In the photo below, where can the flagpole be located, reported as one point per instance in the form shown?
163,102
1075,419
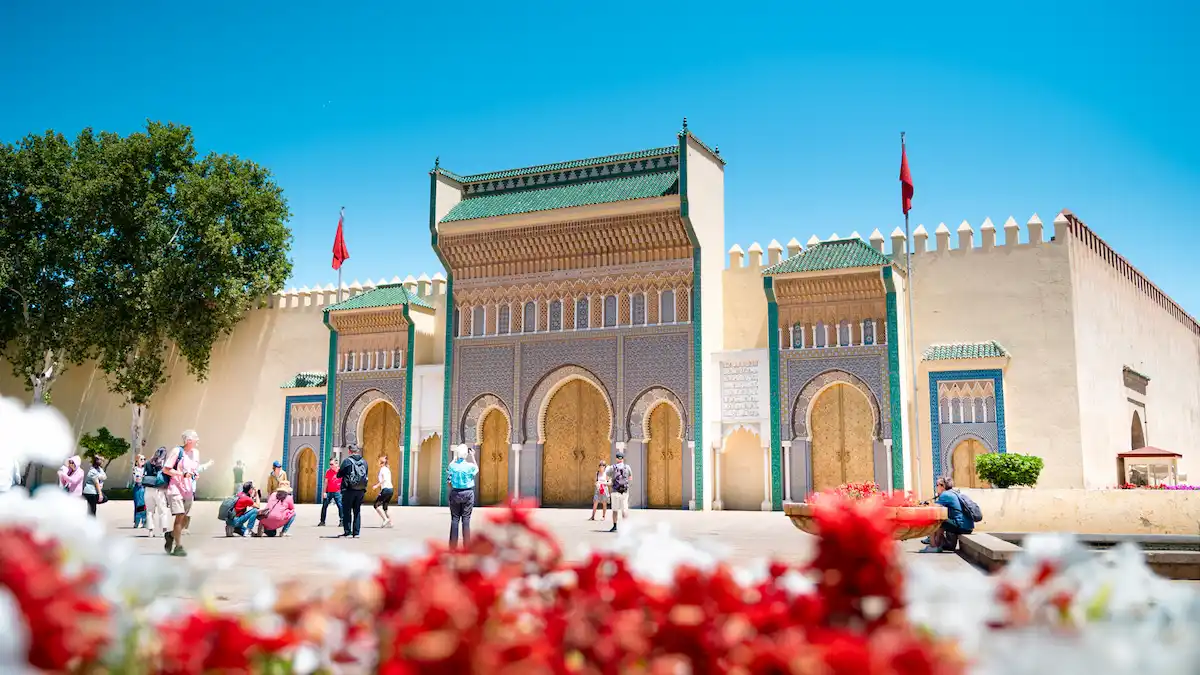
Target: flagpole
342,219
912,353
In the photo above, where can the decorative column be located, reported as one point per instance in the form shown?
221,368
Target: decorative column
716,447
691,453
412,478
887,444
787,470
516,464
766,504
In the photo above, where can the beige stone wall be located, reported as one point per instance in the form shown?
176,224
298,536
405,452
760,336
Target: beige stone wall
1118,324
1089,511
745,305
706,200
1020,296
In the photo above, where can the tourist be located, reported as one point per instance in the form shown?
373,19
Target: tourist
280,513
353,473
239,470
384,485
71,475
600,497
957,522
93,485
157,510
620,475
244,513
194,455
180,470
460,476
277,476
139,492
333,492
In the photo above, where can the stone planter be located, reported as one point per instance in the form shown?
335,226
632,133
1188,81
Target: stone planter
912,522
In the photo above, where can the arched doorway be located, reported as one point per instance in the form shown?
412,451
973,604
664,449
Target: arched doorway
1137,437
429,464
664,459
842,442
962,463
742,472
305,477
576,436
381,432
493,458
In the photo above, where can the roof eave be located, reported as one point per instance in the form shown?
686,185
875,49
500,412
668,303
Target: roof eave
837,271
606,209
977,363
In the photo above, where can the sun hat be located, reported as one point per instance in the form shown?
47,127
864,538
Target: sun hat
284,486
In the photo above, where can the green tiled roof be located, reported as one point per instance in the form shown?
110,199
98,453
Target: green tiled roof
639,186
965,350
837,254
383,296
561,166
309,378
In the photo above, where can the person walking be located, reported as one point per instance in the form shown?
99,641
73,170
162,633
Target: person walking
460,476
156,494
139,492
180,469
620,475
600,496
384,485
93,485
353,473
333,492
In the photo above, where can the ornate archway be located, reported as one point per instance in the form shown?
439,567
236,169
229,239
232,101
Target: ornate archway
303,473
801,419
381,431
576,428
352,421
664,457
637,420
471,426
539,399
960,457
840,424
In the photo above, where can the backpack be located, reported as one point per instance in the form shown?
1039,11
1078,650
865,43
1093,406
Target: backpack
357,480
620,481
225,511
969,507
152,476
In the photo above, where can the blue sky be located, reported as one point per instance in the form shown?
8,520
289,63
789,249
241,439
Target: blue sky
1009,110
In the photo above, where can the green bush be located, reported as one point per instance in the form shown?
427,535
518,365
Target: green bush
103,444
1007,469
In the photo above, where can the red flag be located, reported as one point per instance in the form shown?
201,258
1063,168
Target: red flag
906,184
340,253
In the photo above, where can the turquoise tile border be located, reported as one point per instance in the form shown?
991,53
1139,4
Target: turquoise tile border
330,397
287,435
997,378
408,429
448,365
774,355
697,332
893,344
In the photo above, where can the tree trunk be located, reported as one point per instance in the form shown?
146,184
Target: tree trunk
135,427
43,380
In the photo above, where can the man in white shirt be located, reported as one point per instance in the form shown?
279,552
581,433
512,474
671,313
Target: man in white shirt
180,469
620,476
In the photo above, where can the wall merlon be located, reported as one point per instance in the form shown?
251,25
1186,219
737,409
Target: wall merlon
988,234
920,240
755,255
1035,230
794,247
1012,232
877,240
774,252
1062,226
966,236
813,241
737,257
942,235
899,242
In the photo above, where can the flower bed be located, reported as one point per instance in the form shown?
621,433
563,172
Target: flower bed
1131,486
909,519
72,600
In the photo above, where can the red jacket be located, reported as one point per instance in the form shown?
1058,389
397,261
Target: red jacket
332,482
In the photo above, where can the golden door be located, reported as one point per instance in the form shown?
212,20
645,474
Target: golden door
381,434
664,459
962,463
493,459
430,478
742,472
306,477
842,446
577,438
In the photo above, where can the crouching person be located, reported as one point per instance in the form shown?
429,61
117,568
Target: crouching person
244,514
958,519
277,519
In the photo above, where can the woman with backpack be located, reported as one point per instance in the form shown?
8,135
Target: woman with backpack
156,492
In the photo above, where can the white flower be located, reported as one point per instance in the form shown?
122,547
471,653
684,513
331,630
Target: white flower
14,636
34,433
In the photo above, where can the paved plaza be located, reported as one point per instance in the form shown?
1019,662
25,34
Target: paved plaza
311,553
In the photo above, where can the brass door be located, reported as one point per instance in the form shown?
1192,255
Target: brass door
306,477
577,438
430,478
493,459
842,445
664,459
381,434
962,463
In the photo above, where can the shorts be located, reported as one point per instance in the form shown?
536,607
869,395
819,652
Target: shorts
384,497
620,502
179,505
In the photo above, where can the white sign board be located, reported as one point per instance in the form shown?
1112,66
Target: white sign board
745,385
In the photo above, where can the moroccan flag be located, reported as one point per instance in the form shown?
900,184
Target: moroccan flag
340,253
906,184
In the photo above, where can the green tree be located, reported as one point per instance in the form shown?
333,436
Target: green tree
103,444
47,244
191,244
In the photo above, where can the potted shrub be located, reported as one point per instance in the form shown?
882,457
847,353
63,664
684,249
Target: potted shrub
107,446
909,519
1009,469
